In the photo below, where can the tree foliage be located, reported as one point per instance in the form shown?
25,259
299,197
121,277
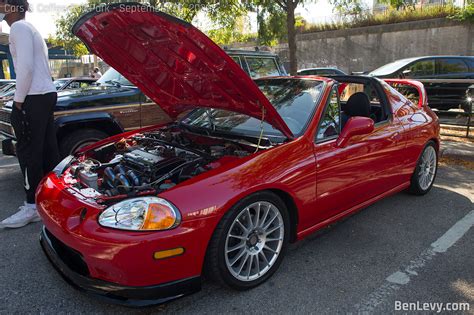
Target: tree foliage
465,14
223,18
286,10
348,8
271,20
400,4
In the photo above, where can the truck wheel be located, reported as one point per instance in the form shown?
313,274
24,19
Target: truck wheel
79,139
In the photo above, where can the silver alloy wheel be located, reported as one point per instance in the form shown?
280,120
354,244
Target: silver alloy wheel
254,241
427,169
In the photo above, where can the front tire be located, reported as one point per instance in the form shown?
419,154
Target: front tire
250,241
79,139
425,172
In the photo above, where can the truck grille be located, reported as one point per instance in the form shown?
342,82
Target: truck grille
5,116
5,123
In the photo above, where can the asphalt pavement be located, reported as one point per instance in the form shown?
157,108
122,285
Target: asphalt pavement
404,249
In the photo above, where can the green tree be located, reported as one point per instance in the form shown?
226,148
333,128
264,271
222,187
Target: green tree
287,8
400,4
64,36
348,8
271,22
223,17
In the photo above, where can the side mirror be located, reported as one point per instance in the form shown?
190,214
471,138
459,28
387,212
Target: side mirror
355,126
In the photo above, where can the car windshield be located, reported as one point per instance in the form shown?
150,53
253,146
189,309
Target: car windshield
391,67
60,83
112,77
295,101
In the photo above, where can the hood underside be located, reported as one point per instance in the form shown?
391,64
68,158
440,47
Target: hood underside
172,62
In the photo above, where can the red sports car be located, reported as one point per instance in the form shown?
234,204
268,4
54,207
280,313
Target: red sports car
246,168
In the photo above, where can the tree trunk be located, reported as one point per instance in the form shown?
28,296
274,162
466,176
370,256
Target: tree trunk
292,37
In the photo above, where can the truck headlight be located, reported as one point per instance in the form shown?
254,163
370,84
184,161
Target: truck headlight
141,214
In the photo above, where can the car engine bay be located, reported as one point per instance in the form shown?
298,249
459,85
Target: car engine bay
149,163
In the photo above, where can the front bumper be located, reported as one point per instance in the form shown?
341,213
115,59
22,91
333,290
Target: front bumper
74,270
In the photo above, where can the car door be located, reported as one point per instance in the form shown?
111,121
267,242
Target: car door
361,171
450,91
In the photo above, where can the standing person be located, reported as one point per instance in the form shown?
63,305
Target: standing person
97,74
34,103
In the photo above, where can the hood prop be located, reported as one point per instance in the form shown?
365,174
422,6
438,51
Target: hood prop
261,127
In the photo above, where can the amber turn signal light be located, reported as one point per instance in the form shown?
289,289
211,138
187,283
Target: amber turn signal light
168,253
159,217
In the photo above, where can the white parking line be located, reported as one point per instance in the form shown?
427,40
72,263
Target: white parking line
9,165
400,278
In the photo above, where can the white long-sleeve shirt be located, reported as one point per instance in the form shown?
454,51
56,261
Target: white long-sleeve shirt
30,59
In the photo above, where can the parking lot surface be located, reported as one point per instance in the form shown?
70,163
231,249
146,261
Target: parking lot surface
402,249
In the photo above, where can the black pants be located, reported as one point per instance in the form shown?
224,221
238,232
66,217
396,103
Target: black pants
37,147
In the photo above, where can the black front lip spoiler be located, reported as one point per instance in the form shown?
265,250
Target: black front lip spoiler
117,294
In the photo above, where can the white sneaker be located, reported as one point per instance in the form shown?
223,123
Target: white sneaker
26,214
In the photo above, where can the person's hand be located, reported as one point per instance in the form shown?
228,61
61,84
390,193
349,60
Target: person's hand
19,106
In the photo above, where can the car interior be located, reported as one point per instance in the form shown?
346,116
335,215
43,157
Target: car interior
357,98
360,100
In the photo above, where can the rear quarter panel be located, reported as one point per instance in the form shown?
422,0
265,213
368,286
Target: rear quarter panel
420,126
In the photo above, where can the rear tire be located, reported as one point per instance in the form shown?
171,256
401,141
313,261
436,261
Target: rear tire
425,172
76,140
249,242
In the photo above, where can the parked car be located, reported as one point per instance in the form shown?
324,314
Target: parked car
89,113
73,83
252,165
446,78
321,71
8,91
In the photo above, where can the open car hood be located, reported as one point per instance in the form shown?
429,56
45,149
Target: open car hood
172,62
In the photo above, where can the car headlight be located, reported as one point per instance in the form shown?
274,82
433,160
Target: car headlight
141,214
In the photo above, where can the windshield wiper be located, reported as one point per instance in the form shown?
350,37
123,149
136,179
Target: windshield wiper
231,136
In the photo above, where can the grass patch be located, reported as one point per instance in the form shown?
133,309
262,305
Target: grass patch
444,161
457,135
390,16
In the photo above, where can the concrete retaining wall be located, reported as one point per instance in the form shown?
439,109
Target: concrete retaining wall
367,48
